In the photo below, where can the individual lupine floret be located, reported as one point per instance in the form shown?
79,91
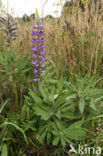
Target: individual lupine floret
38,51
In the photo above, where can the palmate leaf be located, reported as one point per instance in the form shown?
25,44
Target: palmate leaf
35,97
59,134
75,131
45,131
43,112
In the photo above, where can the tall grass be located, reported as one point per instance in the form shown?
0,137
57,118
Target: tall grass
61,112
74,41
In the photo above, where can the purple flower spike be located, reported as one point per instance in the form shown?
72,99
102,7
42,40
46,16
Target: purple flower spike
38,52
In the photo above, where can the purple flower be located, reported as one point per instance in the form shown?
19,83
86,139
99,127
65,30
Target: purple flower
42,45
34,80
41,33
33,48
33,62
43,73
34,33
38,52
35,55
34,40
43,64
42,52
40,27
35,70
42,40
34,27
38,20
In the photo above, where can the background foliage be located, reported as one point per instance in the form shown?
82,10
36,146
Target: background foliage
68,108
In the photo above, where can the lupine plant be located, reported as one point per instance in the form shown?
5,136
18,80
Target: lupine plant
10,28
38,50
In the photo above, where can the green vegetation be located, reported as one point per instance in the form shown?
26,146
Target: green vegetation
68,107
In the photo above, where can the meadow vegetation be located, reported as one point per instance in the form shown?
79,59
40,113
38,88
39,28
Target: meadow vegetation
68,108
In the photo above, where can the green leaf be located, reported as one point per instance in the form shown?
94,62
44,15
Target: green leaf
76,133
43,93
35,97
43,111
48,137
92,105
4,151
69,115
63,141
60,86
43,135
52,81
76,124
24,112
3,130
56,141
70,97
66,108
2,107
81,105
18,128
60,100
